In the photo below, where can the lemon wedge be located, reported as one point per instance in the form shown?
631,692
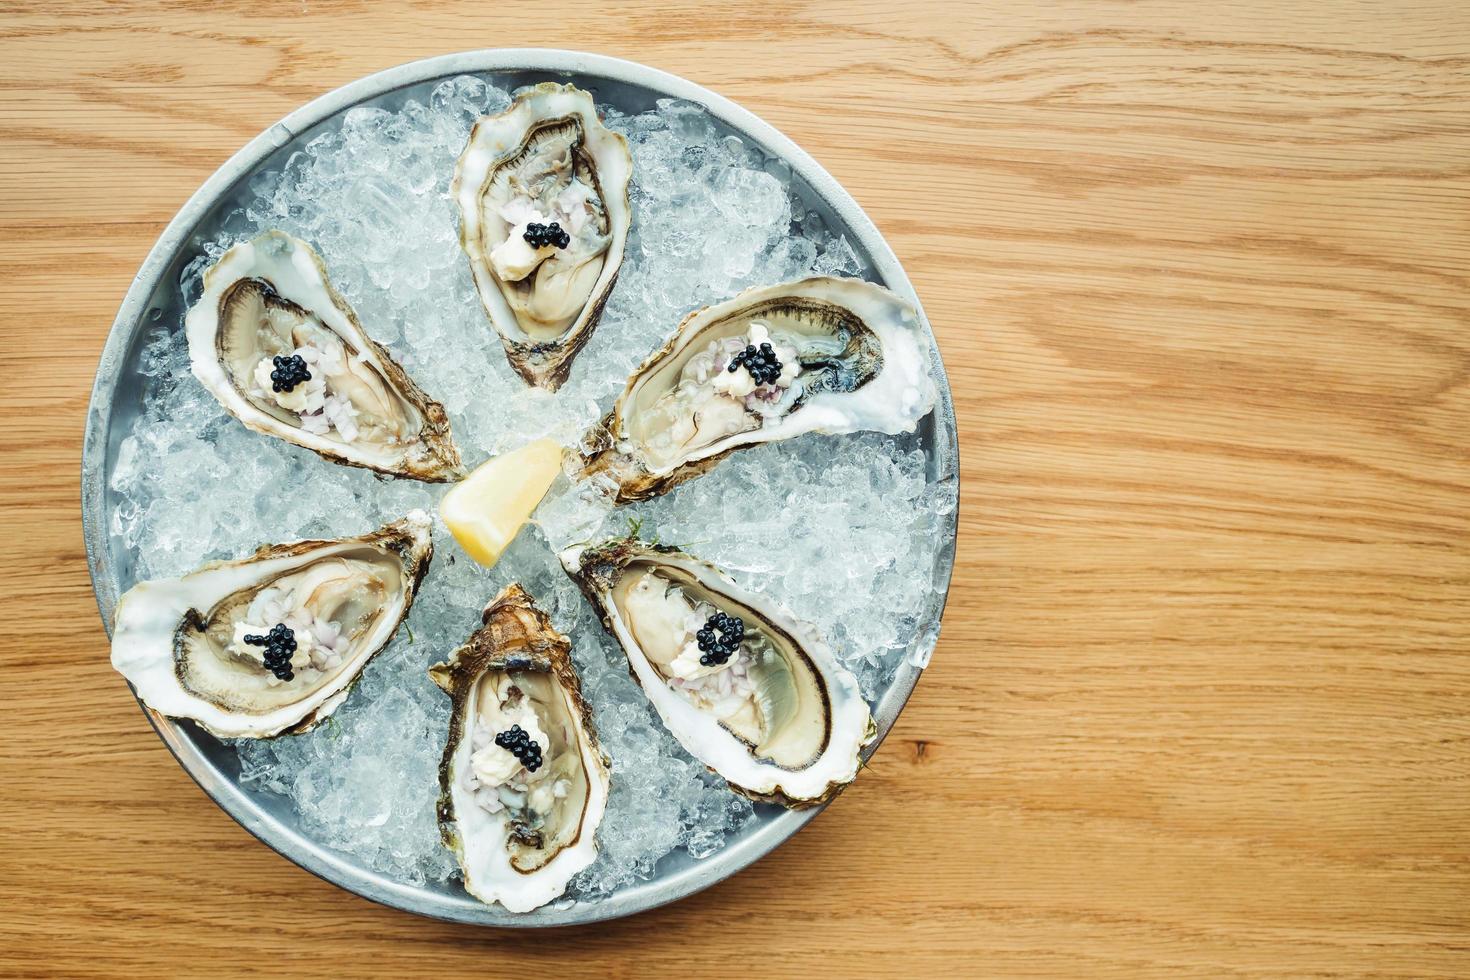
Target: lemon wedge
486,509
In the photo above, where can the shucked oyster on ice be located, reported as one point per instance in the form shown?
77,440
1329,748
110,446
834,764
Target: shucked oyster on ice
284,353
819,355
272,643
747,689
523,781
542,190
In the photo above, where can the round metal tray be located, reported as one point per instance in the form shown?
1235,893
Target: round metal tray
154,298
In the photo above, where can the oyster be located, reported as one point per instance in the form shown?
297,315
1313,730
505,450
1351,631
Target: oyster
273,643
819,355
543,197
523,781
748,690
268,310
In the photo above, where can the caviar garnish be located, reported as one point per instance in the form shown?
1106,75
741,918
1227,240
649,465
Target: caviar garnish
280,644
289,372
522,746
539,236
719,639
759,361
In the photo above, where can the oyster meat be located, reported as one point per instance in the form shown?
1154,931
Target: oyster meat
284,353
523,781
747,689
542,190
273,643
819,355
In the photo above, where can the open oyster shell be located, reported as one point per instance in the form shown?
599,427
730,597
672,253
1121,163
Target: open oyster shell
781,720
520,832
829,355
182,643
545,159
270,298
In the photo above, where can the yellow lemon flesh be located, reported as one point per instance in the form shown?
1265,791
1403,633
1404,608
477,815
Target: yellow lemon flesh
486,509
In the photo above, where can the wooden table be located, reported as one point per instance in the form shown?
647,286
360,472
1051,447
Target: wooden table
1202,702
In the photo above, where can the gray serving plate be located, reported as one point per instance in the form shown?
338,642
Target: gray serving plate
154,298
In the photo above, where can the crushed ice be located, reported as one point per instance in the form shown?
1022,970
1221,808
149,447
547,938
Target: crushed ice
825,524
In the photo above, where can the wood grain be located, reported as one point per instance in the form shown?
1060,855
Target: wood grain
1199,273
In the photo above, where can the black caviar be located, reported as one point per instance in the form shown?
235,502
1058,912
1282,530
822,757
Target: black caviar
539,236
279,644
760,362
720,638
290,371
520,745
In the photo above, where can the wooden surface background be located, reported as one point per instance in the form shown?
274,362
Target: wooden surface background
1202,702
